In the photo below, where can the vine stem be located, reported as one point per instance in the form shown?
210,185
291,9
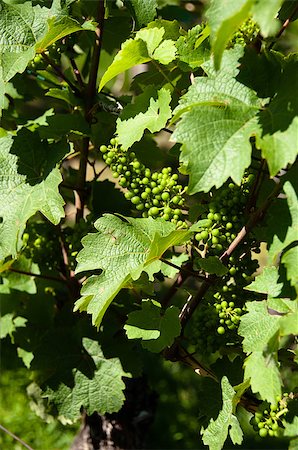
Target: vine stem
255,218
284,26
15,437
60,73
90,100
36,275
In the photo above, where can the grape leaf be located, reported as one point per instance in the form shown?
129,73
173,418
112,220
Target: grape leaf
102,391
157,329
57,28
263,371
289,259
17,280
291,429
154,118
257,327
266,282
289,323
132,52
144,12
193,49
277,245
220,106
146,46
213,265
169,271
265,13
24,27
9,323
28,183
122,249
280,148
224,18
217,431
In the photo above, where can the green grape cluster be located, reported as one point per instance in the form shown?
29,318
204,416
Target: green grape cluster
225,216
267,419
219,314
54,52
246,34
229,296
37,63
41,245
155,194
201,329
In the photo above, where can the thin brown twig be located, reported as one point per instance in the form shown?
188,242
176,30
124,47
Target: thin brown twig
60,73
77,73
15,437
284,27
254,219
36,275
90,100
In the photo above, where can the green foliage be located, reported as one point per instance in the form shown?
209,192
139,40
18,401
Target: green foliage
148,212
101,389
231,108
156,331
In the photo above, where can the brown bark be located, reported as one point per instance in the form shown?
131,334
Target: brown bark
126,429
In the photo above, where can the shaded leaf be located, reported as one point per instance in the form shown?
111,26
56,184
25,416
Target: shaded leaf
102,391
27,185
157,329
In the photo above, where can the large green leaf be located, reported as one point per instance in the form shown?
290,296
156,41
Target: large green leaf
217,431
29,183
148,112
156,329
122,249
101,390
224,17
264,375
218,119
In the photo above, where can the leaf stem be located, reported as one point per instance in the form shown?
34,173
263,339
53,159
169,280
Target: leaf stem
160,70
15,437
90,100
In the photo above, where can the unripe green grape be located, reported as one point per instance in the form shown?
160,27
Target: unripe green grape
263,432
165,196
153,211
221,330
135,200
